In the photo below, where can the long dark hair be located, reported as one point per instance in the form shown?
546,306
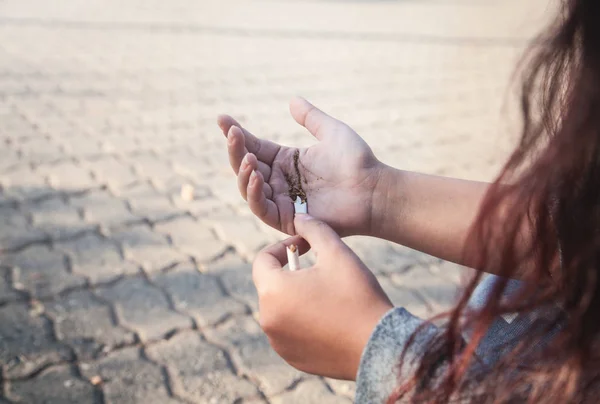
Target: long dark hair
539,222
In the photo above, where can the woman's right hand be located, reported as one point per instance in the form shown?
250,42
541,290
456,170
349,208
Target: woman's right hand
338,174
319,318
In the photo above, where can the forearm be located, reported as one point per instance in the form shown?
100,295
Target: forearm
429,213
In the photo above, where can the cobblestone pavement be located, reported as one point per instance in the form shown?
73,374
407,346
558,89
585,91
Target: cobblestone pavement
115,289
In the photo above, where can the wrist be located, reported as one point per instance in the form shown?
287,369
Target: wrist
385,201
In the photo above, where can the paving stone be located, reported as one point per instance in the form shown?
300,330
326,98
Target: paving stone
15,230
25,183
146,202
111,172
188,164
143,308
199,371
56,218
81,146
38,150
96,258
171,185
458,274
7,293
405,257
406,297
5,200
147,248
127,378
342,388
9,159
236,276
51,123
56,385
243,233
309,391
150,167
68,177
86,325
197,294
193,238
253,400
203,207
225,189
441,294
195,202
41,271
250,347
26,342
101,208
27,110
14,126
161,142
215,155
381,256
120,144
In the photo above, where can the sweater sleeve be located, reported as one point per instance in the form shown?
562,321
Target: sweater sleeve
378,373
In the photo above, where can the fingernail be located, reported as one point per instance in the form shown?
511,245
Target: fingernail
253,178
245,162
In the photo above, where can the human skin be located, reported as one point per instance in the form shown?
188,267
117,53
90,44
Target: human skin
314,326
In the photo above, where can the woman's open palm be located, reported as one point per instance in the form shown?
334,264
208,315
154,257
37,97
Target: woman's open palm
337,175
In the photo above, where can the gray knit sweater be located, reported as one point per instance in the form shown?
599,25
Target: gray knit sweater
378,372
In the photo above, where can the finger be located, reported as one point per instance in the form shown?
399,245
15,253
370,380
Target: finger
271,260
247,166
318,123
237,151
265,170
263,149
319,235
262,207
235,148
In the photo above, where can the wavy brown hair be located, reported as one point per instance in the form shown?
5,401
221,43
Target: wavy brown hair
539,222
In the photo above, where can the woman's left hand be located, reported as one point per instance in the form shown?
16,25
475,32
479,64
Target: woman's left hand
318,319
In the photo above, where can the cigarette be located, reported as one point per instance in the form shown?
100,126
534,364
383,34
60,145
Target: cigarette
292,250
293,258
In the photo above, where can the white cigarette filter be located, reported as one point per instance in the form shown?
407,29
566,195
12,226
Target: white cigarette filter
293,257
299,206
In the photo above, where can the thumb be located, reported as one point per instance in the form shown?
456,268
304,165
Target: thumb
319,235
318,123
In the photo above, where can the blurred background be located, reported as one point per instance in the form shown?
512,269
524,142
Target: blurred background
125,247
